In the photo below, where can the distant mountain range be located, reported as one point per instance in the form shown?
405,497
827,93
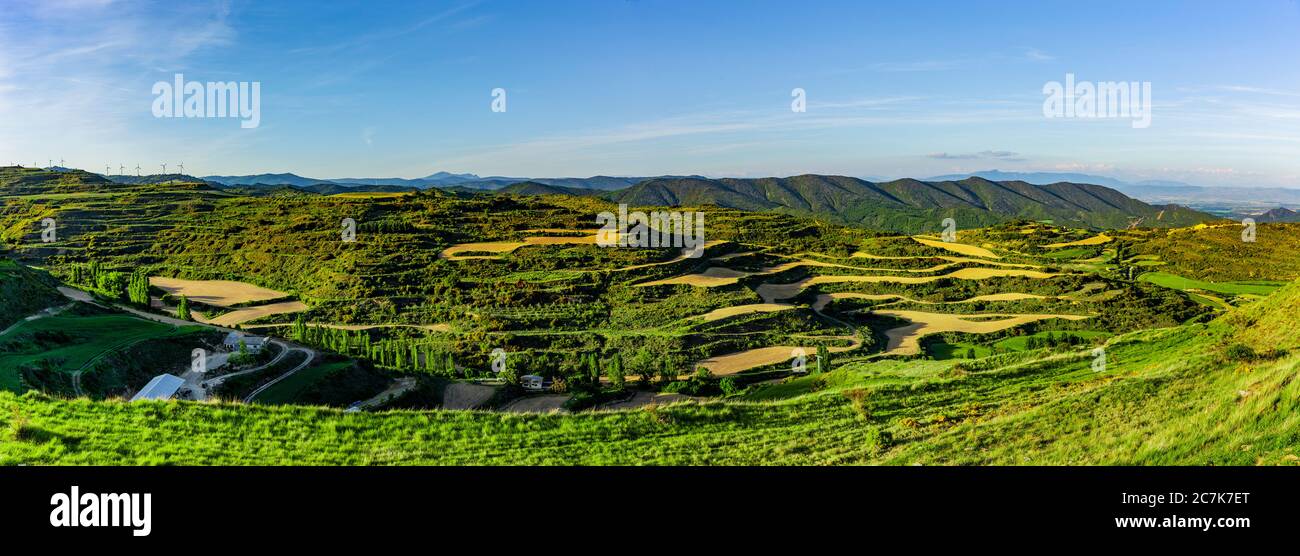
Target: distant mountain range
904,205
1224,201
914,205
440,179
1276,215
900,205
1219,200
157,178
1044,178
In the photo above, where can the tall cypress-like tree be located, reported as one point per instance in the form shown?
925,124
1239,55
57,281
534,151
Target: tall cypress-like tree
615,372
593,368
183,309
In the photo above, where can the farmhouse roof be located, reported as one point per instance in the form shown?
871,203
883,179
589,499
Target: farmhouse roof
162,387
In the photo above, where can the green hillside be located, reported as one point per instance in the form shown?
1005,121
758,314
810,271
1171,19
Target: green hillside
934,351
25,291
913,206
1182,396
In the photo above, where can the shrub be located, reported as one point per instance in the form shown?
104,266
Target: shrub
858,397
879,439
1239,352
728,386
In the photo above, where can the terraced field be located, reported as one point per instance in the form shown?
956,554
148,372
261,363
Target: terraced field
435,283
1098,239
221,293
499,248
960,248
905,340
246,314
230,295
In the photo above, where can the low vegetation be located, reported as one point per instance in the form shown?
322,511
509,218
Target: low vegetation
792,340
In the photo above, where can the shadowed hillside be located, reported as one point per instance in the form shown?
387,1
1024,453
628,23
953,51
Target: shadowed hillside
909,205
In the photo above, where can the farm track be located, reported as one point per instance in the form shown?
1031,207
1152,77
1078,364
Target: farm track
45,313
466,395
76,375
212,383
395,390
311,356
78,295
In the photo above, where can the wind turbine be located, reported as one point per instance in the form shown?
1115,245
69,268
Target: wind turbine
108,171
182,170
137,170
121,170
164,167
61,163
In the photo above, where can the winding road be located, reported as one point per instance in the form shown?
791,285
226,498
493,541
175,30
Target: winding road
193,380
311,355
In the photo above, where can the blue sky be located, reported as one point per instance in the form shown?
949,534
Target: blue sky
647,87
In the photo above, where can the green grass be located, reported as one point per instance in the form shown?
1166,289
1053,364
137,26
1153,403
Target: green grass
1167,399
1021,343
1069,253
1174,281
287,390
90,338
945,350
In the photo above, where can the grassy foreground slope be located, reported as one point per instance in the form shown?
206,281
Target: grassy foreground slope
1220,393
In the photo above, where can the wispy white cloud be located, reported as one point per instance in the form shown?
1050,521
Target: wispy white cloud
1008,156
63,70
1038,55
366,39
746,126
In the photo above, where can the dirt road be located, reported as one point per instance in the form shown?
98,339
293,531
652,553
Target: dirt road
466,395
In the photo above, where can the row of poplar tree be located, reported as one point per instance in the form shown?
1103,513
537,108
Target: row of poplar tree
132,288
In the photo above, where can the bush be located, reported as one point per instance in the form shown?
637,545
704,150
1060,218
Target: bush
728,386
879,439
1239,352
676,386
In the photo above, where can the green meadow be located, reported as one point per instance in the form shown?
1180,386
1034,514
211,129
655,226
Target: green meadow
287,390
918,376
70,342
1003,410
1177,282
